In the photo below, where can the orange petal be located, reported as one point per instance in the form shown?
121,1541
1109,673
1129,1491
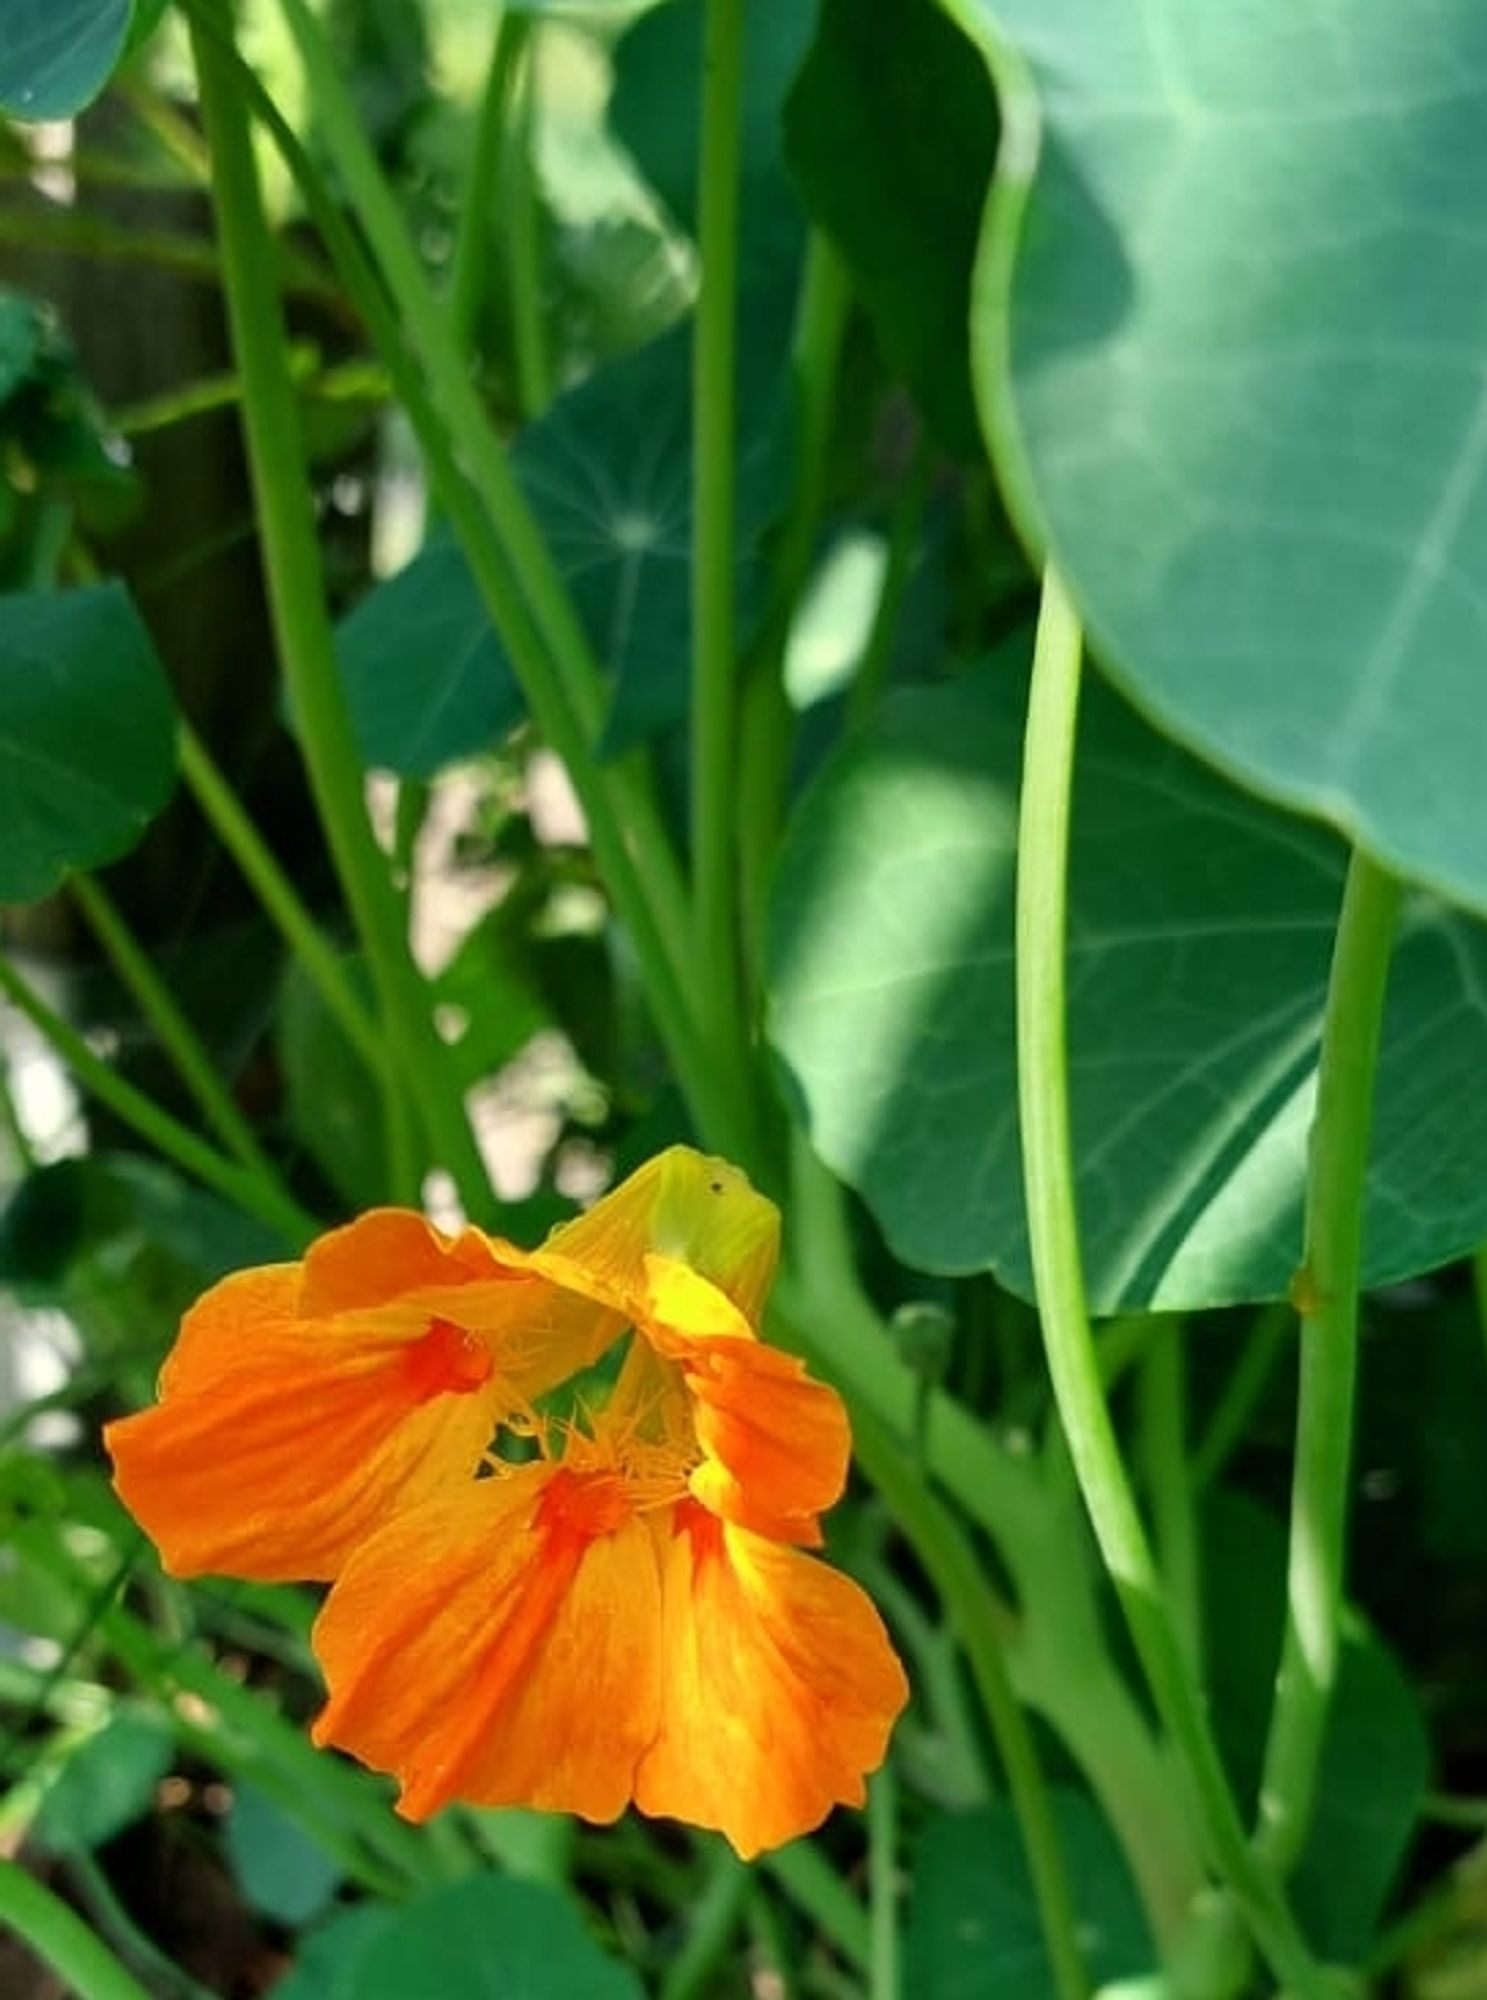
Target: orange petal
775,1443
499,1646
389,1252
696,1210
779,1687
280,1442
392,1266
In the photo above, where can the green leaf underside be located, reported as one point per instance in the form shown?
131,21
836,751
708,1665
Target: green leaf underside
1200,937
1376,1761
973,1925
890,134
427,679
490,1938
608,473
1231,360
283,1873
56,55
87,735
107,1782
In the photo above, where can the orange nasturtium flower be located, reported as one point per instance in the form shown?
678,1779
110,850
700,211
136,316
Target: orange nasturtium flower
572,1599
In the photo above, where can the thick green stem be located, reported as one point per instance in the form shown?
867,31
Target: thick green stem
980,1622
61,1939
281,484
1328,1293
883,1884
176,1142
174,1032
715,714
1048,1172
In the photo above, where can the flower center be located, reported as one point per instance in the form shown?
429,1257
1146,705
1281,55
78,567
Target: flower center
447,1360
583,1504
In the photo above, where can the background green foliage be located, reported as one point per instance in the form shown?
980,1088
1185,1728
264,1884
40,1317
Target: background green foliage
1187,301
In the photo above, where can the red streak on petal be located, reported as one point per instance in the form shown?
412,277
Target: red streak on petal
702,1525
446,1361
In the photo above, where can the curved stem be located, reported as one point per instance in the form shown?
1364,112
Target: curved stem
1328,1294
265,1199
291,554
61,1939
1048,1170
714,641
174,1032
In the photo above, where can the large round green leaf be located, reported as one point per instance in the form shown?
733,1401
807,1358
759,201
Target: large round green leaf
87,735
1201,929
1230,331
56,55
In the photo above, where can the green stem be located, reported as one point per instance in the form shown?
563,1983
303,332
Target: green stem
281,483
1331,1276
10,1123
719,1912
768,723
1162,1392
523,213
564,660
173,1031
505,555
983,1627
175,1141
1059,1657
472,243
124,1933
714,642
816,1888
1241,1393
61,1939
1048,1171
883,1885
274,890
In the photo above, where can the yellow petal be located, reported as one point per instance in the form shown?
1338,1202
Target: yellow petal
691,1208
280,1442
779,1686
499,1646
